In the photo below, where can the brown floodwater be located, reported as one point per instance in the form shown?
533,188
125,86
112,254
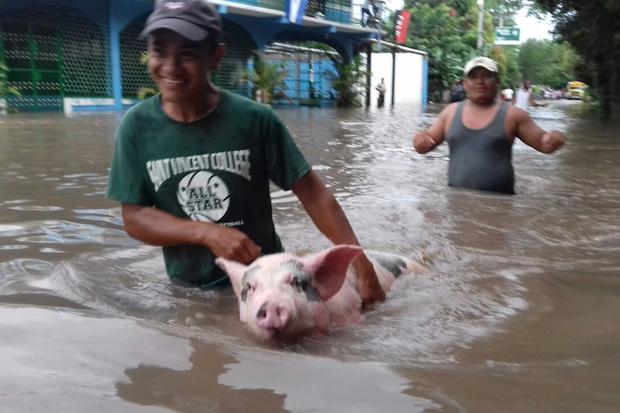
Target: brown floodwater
518,313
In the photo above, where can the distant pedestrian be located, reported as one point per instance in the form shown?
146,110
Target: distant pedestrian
381,89
524,98
457,92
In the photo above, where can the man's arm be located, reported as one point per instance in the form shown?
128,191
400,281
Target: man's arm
426,141
536,137
329,218
156,227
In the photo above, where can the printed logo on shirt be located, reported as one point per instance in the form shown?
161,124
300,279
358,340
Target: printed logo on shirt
236,162
203,196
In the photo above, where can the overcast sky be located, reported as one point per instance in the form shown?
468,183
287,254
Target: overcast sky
533,28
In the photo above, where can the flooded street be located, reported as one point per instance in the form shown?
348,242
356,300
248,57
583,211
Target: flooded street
518,313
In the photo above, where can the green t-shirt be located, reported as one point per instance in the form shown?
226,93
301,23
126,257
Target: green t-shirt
216,169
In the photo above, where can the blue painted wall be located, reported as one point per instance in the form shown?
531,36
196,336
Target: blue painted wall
111,17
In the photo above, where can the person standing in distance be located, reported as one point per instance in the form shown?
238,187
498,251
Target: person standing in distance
480,132
524,99
382,90
192,165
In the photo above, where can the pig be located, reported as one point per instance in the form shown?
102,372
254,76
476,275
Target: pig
285,297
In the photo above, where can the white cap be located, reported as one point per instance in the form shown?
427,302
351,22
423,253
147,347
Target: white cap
480,61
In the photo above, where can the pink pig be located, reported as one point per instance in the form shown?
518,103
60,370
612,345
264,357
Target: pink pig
285,297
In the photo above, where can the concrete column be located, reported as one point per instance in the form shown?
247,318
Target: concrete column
368,72
115,64
393,75
425,81
121,13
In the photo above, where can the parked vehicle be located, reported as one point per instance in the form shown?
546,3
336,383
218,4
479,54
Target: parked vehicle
575,90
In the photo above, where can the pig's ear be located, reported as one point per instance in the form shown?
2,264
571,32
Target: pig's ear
235,272
330,268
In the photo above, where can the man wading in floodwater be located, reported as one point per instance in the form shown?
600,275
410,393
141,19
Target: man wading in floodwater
480,132
192,165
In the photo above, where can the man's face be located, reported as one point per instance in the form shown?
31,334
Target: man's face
481,85
178,66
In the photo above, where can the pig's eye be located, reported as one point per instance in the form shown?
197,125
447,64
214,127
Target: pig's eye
297,283
247,289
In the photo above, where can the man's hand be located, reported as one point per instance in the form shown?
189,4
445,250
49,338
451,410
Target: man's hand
423,142
231,244
551,141
367,282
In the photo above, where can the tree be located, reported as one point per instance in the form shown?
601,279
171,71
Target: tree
460,6
447,40
592,28
266,78
349,84
548,63
447,31
503,11
507,58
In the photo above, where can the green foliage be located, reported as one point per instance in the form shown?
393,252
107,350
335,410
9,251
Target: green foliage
350,82
497,13
548,63
593,29
460,6
146,92
144,58
503,11
447,30
507,59
265,77
5,89
449,41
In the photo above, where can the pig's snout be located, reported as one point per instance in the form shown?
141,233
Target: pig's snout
272,316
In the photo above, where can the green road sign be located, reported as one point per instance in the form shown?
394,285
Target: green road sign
507,35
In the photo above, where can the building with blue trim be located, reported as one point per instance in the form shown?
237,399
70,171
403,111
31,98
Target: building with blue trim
85,55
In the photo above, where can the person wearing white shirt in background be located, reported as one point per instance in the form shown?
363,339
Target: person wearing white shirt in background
524,98
508,94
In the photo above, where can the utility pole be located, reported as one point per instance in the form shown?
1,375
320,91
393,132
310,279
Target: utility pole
480,22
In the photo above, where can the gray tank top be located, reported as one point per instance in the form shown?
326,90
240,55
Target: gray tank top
482,158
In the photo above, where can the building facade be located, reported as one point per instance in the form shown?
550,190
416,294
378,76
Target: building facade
77,55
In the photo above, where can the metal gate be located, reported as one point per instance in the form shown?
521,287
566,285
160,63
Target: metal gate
33,55
135,76
309,74
55,50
